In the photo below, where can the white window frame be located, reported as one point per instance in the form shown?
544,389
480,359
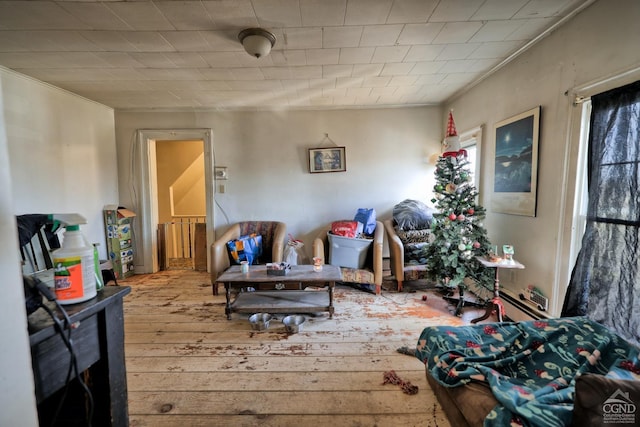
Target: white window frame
473,138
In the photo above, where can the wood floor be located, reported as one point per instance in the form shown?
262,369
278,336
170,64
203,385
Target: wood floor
187,365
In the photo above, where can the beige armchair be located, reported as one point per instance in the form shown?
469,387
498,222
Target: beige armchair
273,240
400,268
373,264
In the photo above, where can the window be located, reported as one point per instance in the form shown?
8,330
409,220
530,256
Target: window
471,141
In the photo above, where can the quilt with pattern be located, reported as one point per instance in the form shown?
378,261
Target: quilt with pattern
530,366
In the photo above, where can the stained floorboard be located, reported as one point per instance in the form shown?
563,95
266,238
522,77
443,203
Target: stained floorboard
187,365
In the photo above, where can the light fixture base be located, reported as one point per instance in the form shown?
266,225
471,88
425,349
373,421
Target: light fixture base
257,41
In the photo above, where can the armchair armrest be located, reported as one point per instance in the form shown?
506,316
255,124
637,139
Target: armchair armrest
279,237
219,256
396,250
320,245
378,239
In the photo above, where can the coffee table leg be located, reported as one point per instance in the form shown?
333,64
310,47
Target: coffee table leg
331,285
227,309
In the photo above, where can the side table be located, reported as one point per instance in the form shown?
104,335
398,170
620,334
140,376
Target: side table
496,303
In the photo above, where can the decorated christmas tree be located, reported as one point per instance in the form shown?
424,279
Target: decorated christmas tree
459,234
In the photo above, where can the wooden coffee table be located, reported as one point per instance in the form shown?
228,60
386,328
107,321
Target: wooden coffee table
280,294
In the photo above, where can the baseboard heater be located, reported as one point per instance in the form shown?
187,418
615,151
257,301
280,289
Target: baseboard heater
517,310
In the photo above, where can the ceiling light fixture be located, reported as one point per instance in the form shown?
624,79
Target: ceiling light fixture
256,41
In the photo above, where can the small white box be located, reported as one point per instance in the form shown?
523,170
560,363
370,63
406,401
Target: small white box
347,251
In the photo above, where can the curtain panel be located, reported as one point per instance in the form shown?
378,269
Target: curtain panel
605,281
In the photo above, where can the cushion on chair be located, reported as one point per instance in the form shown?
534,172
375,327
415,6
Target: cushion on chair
412,215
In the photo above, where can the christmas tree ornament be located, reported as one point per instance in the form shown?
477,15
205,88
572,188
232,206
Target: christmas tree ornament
452,217
462,247
470,211
461,217
450,188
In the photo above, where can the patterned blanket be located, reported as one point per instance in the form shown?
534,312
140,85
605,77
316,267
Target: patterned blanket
530,366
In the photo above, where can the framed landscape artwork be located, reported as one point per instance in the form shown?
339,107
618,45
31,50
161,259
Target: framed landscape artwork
516,164
330,159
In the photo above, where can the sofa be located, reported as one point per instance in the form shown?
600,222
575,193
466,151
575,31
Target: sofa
537,373
371,274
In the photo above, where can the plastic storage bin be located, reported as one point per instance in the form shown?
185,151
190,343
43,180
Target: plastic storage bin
347,251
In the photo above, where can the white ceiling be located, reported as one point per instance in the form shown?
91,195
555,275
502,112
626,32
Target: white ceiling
329,53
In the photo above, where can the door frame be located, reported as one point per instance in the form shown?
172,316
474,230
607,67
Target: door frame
147,248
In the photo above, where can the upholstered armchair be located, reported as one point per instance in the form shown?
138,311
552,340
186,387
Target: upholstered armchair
371,273
273,240
404,267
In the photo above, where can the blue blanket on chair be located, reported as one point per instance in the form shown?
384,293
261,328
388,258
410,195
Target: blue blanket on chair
530,366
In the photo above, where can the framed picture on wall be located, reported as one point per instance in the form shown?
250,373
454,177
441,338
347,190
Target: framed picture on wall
516,164
331,159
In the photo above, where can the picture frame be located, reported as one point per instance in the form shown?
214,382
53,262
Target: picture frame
515,177
327,159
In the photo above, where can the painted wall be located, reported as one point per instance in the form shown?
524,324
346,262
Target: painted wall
57,154
17,398
267,160
62,150
600,42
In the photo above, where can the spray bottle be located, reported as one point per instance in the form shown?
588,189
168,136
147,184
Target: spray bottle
77,274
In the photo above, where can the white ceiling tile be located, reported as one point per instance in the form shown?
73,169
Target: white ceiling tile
376,81
110,41
277,73
397,69
458,79
530,27
186,41
147,41
126,74
37,15
419,33
278,13
341,37
366,12
427,67
367,70
97,16
246,74
418,53
358,91
302,38
322,56
430,79
317,13
457,32
383,91
494,50
141,16
222,40
333,71
390,54
118,59
255,85
349,82
458,66
457,51
482,65
228,14
356,55
170,73
185,15
403,80
186,59
216,74
152,59
455,10
334,92
541,9
221,59
380,35
411,11
289,57
495,31
498,9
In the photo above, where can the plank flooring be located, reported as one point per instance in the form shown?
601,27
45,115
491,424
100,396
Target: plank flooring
187,365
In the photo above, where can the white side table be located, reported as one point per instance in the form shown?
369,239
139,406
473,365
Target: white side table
496,303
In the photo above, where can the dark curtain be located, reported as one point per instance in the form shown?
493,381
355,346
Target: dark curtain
605,282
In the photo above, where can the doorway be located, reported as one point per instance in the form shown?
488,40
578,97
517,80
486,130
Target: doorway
181,205
146,185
